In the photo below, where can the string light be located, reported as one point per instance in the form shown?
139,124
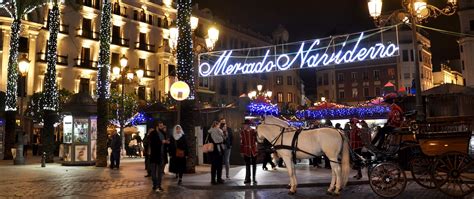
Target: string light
185,46
10,102
50,97
338,113
103,85
261,108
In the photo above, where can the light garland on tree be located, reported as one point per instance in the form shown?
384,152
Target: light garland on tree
10,102
185,45
50,97
103,83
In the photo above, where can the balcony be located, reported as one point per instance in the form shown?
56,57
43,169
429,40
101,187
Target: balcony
149,74
88,34
145,47
118,10
62,59
86,64
120,42
89,3
63,29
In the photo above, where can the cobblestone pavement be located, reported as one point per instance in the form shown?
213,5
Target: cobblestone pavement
55,181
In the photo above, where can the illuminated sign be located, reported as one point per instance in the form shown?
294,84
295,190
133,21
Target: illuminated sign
370,45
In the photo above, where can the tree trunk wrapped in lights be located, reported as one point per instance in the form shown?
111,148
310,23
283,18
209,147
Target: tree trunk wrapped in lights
185,73
11,95
103,83
50,96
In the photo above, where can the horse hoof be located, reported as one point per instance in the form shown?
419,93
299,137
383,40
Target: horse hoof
329,193
288,187
291,193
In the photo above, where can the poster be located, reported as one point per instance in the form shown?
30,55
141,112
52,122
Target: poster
67,129
93,150
93,128
81,153
81,131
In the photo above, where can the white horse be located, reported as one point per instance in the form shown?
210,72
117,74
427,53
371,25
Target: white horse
329,141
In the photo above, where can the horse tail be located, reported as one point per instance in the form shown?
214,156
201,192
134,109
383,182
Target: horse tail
345,163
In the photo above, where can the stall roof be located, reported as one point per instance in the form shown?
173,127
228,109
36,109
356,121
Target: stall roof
449,89
81,104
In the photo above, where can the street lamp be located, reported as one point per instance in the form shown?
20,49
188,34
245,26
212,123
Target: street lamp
194,23
123,72
416,11
23,65
212,37
255,94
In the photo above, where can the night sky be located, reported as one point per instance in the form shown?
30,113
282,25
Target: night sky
315,19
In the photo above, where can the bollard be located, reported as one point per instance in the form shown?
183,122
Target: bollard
43,160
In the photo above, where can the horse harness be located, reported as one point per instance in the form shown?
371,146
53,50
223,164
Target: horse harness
294,143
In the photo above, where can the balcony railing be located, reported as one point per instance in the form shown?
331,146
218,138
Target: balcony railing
121,41
145,46
87,64
149,74
62,59
89,34
89,3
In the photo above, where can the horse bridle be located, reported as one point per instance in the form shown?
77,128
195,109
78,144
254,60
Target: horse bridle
274,141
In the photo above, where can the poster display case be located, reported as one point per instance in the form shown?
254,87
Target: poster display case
79,140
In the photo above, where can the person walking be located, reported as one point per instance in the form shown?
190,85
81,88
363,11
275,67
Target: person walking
267,147
116,146
217,138
356,145
248,149
179,153
165,146
139,144
155,157
228,144
146,151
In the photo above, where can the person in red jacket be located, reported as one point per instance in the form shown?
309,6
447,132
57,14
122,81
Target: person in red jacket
395,119
248,149
356,144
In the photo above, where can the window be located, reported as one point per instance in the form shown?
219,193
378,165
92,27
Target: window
279,97
141,92
84,85
341,94
326,79
143,16
406,75
289,97
340,77
150,19
376,74
115,60
159,69
116,35
142,38
365,75
87,28
289,80
23,45
411,55
234,88
279,80
366,92
141,63
158,21
171,70
320,81
420,56
354,76
355,92
377,91
86,57
471,25
405,55
391,73
462,63
135,15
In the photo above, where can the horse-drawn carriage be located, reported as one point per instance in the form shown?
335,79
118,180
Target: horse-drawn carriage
436,153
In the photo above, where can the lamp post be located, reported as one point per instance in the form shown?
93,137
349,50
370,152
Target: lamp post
23,68
267,94
415,11
124,73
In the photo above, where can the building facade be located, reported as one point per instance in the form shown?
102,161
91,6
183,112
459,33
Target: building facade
466,44
140,32
357,82
446,75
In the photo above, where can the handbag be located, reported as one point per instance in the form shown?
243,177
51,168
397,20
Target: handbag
208,146
179,152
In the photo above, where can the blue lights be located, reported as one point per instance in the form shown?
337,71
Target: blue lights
261,108
340,113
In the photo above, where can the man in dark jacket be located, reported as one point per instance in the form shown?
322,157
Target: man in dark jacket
146,151
155,143
116,146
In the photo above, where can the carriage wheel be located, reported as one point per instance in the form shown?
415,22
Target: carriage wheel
454,174
387,180
421,168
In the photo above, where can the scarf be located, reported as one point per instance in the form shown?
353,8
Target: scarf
177,134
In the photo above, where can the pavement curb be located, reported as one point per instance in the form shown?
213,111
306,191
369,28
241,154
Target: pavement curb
267,186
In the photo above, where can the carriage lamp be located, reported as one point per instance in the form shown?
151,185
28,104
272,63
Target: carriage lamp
23,65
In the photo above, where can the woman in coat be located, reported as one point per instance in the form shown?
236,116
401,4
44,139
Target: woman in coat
216,136
178,152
